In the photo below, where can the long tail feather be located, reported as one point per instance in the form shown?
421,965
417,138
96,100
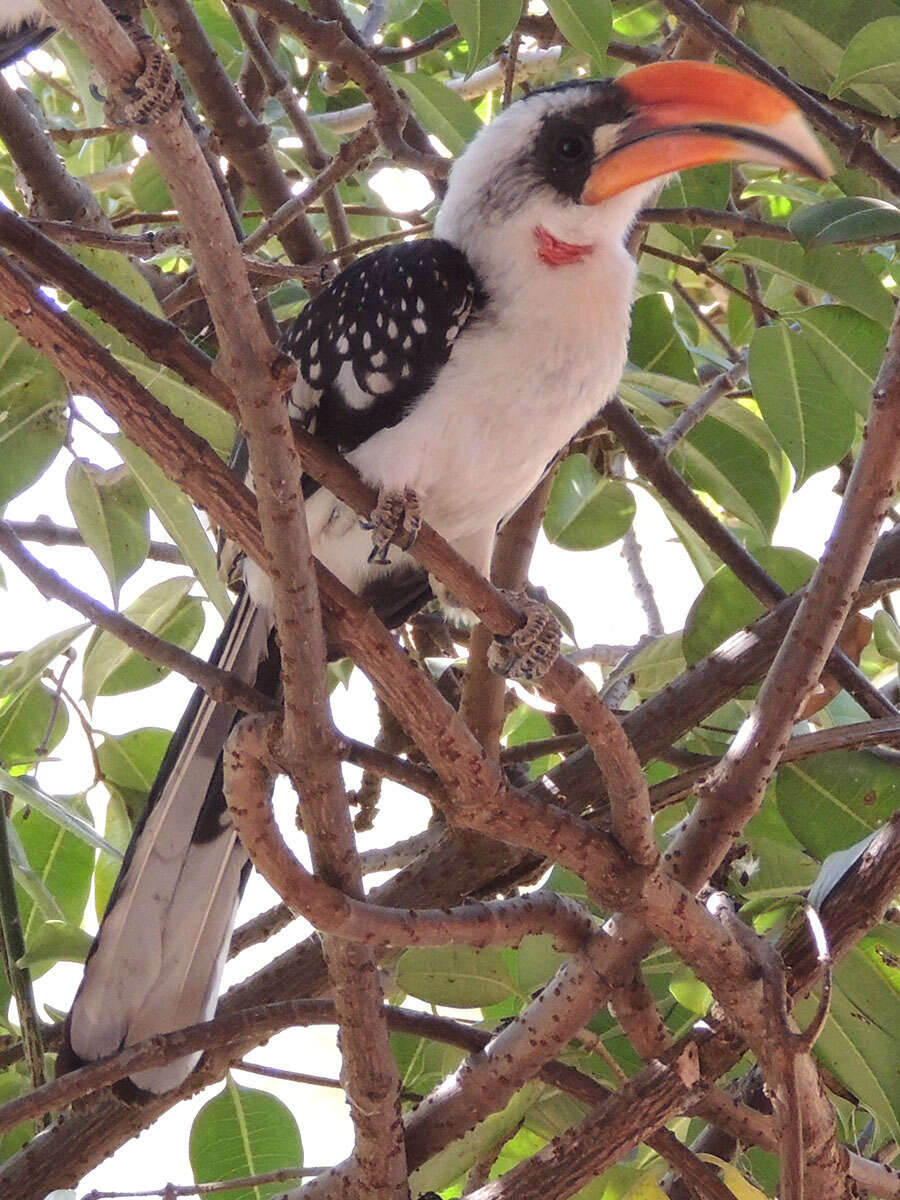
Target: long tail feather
157,960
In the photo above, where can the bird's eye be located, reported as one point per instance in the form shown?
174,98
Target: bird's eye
572,147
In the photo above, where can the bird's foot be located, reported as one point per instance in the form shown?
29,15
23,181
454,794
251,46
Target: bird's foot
529,652
395,512
154,91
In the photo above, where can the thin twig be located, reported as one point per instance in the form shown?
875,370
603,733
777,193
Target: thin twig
695,412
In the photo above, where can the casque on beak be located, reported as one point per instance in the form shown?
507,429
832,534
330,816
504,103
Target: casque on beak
689,114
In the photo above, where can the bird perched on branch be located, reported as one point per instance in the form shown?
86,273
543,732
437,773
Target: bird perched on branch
450,371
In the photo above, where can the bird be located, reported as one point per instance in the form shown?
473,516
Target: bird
450,371
23,27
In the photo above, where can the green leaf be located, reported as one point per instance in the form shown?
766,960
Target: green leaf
859,1043
57,809
440,110
121,273
29,665
12,1086
725,605
586,511
206,418
838,272
132,760
179,518
111,667
485,24
457,976
449,1164
734,469
148,188
810,416
585,24
526,724
241,1132
850,219
704,187
849,348
656,664
423,1063
873,56
655,343
691,993
32,413
886,635
117,831
537,961
111,515
25,724
731,454
53,942
63,863
833,800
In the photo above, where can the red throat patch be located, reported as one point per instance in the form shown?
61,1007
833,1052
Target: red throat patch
557,253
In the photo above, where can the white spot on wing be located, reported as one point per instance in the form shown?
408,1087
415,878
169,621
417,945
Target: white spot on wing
378,382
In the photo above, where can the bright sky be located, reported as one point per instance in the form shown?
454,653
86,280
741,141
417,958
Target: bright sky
592,588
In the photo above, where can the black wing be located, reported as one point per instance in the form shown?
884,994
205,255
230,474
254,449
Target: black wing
372,341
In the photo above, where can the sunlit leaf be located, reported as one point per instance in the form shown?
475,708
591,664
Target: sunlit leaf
62,861
32,413
29,665
873,56
838,272
35,718
111,515
166,610
56,809
179,518
585,24
240,1132
440,109
485,24
53,942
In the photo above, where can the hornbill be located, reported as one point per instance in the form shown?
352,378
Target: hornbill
450,371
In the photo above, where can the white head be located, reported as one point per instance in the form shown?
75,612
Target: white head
578,160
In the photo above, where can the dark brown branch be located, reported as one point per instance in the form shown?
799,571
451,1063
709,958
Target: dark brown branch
334,912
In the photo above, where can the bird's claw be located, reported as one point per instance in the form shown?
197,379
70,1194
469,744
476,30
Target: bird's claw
396,512
529,652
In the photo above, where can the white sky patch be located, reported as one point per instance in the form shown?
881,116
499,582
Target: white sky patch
402,189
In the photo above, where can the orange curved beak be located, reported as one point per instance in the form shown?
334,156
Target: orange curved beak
689,114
